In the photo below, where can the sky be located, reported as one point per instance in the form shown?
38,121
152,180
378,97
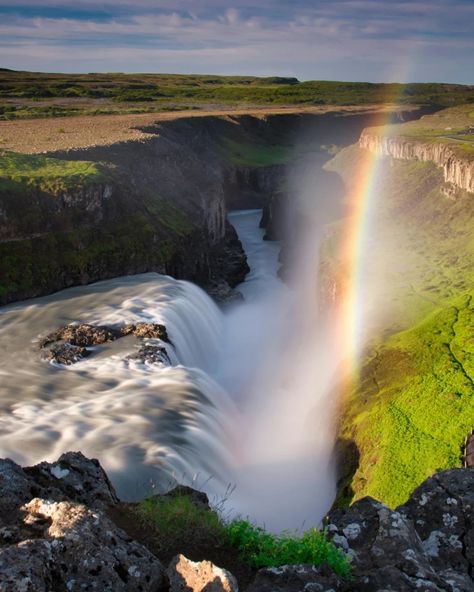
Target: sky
360,40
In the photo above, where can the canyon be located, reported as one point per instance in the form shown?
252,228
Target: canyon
160,203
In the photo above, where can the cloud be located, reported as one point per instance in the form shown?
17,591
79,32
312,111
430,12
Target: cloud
345,39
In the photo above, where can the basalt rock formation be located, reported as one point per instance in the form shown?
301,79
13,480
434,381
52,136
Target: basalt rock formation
457,170
56,534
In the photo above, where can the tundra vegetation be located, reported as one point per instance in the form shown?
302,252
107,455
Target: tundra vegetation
33,94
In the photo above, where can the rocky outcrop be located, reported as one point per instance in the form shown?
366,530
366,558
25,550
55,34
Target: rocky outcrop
68,345
425,544
55,534
199,576
67,546
297,578
457,171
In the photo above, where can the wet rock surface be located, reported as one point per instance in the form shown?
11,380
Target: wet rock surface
69,344
67,354
145,331
199,576
151,354
81,335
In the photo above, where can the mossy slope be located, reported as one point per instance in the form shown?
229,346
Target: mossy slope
412,405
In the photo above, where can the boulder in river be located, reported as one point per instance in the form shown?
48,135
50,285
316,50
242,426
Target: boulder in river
82,335
70,343
151,354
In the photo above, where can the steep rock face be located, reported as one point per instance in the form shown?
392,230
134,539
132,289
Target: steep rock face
162,204
456,170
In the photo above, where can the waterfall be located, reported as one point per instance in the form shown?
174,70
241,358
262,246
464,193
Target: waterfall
246,401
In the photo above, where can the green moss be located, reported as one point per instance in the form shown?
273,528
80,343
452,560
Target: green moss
415,422
18,171
263,549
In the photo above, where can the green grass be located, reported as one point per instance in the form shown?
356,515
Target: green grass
263,549
412,406
416,421
46,173
176,520
255,155
31,94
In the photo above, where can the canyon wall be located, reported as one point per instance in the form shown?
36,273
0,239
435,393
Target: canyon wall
161,202
457,169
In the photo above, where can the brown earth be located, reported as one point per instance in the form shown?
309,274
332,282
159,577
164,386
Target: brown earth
34,136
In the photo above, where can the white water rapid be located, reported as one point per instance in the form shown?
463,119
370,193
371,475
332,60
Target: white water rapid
246,402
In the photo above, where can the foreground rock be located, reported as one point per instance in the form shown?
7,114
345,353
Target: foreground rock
201,576
55,534
426,544
66,546
51,540
296,578
72,477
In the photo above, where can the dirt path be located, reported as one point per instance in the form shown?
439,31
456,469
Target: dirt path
34,136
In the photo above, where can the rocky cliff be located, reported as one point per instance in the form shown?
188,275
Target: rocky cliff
160,203
58,531
458,170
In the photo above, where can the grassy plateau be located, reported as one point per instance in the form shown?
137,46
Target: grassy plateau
33,94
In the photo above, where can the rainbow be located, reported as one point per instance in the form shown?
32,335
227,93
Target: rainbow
360,201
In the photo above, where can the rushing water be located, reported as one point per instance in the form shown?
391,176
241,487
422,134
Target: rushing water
246,402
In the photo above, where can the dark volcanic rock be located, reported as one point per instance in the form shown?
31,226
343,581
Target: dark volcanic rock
77,477
82,335
442,511
151,354
295,578
426,544
71,477
75,549
146,331
67,354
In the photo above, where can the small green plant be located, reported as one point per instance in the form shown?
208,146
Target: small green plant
263,549
178,519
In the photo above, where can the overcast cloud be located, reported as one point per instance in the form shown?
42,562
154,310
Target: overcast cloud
322,39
